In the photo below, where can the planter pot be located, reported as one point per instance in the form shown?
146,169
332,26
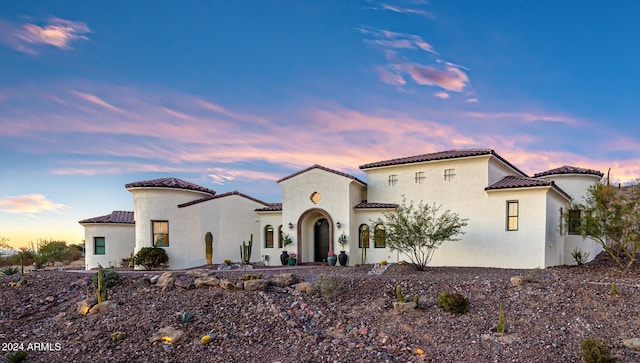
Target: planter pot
292,261
342,257
284,257
331,260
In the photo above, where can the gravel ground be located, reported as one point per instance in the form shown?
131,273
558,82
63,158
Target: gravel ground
548,319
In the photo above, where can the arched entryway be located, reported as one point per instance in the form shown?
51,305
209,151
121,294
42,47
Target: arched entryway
315,235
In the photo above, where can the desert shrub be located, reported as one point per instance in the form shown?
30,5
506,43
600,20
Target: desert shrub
579,256
453,303
330,287
17,357
111,278
10,271
594,351
50,251
151,258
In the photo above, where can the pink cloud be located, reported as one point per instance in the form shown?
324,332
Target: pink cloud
59,33
528,117
390,77
30,204
451,78
441,95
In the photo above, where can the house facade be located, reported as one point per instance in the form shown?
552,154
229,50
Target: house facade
514,220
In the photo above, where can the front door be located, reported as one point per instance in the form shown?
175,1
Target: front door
321,240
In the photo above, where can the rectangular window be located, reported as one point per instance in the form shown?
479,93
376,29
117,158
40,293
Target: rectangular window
420,177
98,246
449,174
512,215
573,226
393,179
160,233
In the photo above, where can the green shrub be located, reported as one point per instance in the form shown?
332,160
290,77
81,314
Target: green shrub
453,303
10,271
151,258
17,357
111,278
594,351
579,256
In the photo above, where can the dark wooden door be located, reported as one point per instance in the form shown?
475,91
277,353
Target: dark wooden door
321,240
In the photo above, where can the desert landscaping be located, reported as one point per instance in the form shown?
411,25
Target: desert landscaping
322,314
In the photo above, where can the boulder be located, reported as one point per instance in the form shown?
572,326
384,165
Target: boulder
85,305
142,283
167,335
228,285
102,307
404,307
256,285
516,280
200,272
166,280
207,281
240,285
185,282
154,279
304,286
633,343
283,280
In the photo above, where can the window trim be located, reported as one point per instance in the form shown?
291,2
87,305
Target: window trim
95,246
360,239
280,237
154,234
515,217
420,177
449,174
268,232
376,233
393,180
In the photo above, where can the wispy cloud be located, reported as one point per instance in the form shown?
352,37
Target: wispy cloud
441,95
527,117
30,204
222,175
56,32
399,9
393,40
451,78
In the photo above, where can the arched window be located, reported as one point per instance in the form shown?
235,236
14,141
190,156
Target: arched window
280,236
379,236
364,236
268,236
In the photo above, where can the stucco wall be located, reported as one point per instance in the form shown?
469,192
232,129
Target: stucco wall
119,243
273,219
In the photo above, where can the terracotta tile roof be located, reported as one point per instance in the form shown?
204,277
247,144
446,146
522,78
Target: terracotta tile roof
117,216
272,207
442,155
218,196
513,181
316,166
567,169
371,205
169,183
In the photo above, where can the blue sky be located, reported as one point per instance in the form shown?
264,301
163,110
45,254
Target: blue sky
235,95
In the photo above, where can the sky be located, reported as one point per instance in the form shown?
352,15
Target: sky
234,95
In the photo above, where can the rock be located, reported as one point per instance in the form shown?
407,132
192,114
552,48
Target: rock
206,281
256,285
516,280
22,282
166,281
60,316
85,305
200,272
142,283
79,283
102,307
283,280
404,307
304,286
167,335
154,279
633,343
228,285
185,282
240,285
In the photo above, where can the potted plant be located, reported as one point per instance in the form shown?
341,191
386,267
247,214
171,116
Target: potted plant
342,241
293,259
332,258
284,257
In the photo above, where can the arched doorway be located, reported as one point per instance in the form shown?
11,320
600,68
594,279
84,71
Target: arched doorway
314,235
320,240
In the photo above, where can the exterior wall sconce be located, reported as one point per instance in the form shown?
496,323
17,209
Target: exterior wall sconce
290,225
338,224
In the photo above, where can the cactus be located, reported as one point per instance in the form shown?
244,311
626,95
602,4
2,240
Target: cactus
401,298
501,327
186,317
21,266
614,289
101,291
245,251
416,300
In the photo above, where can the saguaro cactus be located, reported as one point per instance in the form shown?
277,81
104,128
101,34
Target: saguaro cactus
245,251
101,292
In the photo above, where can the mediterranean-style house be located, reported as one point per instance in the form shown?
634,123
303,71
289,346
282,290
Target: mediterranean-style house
514,220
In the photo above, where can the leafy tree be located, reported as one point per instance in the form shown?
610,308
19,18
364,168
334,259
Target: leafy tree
611,217
418,231
50,251
4,244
